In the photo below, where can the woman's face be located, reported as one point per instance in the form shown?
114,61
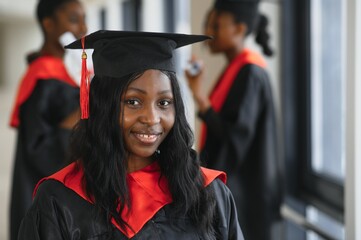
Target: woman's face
223,29
149,115
70,17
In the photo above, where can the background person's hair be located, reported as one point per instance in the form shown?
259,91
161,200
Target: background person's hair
98,144
47,8
262,35
257,24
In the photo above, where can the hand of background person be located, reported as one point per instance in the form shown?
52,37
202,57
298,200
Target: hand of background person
195,78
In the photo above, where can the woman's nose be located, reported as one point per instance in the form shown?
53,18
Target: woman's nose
150,116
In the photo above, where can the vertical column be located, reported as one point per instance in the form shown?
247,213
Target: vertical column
353,122
152,16
182,24
113,15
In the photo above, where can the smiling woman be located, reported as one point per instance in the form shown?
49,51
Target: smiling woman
135,174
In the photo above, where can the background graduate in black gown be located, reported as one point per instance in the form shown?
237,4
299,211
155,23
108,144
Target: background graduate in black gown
238,134
135,174
46,106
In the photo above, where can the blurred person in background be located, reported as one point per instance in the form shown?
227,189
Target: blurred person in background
239,134
46,106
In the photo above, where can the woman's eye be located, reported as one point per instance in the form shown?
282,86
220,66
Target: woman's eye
165,103
73,19
132,102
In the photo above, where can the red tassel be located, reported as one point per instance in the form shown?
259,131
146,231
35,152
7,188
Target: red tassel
84,85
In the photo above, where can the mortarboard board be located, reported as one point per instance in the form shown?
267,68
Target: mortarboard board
119,53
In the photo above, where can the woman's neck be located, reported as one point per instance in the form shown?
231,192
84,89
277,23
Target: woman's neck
53,49
135,163
234,52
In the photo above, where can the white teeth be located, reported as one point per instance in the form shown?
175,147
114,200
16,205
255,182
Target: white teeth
147,138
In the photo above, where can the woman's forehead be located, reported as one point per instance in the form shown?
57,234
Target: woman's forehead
151,79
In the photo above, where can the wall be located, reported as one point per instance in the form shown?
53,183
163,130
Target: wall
16,9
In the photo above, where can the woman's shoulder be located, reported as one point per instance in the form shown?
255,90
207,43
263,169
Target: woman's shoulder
252,76
211,174
223,195
58,212
56,200
253,71
48,68
64,184
220,188
226,224
51,189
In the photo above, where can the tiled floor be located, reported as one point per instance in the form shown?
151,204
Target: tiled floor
7,141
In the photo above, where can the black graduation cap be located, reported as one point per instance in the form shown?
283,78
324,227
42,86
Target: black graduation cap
243,10
119,53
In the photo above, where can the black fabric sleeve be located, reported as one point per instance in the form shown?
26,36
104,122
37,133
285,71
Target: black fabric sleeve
54,100
59,213
41,221
237,122
44,141
38,225
226,213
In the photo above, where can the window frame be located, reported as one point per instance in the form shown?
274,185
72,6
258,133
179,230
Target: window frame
303,184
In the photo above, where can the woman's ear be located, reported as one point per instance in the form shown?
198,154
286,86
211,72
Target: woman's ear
242,29
47,24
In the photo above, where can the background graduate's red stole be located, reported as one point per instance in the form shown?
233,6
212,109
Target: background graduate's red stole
149,193
223,86
44,67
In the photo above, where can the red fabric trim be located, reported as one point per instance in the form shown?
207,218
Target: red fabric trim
210,175
44,67
148,193
221,90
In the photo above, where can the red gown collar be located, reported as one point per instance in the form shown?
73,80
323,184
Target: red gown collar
148,193
44,67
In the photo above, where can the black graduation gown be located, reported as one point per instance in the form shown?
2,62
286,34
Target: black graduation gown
59,213
241,141
41,144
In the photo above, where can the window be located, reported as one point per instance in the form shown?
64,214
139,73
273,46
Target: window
314,110
131,15
323,221
327,87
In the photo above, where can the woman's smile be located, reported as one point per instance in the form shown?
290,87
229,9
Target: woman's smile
147,138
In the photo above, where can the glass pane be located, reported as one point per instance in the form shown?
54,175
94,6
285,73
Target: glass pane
327,87
324,222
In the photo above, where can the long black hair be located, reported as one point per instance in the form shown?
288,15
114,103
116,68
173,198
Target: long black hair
98,144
